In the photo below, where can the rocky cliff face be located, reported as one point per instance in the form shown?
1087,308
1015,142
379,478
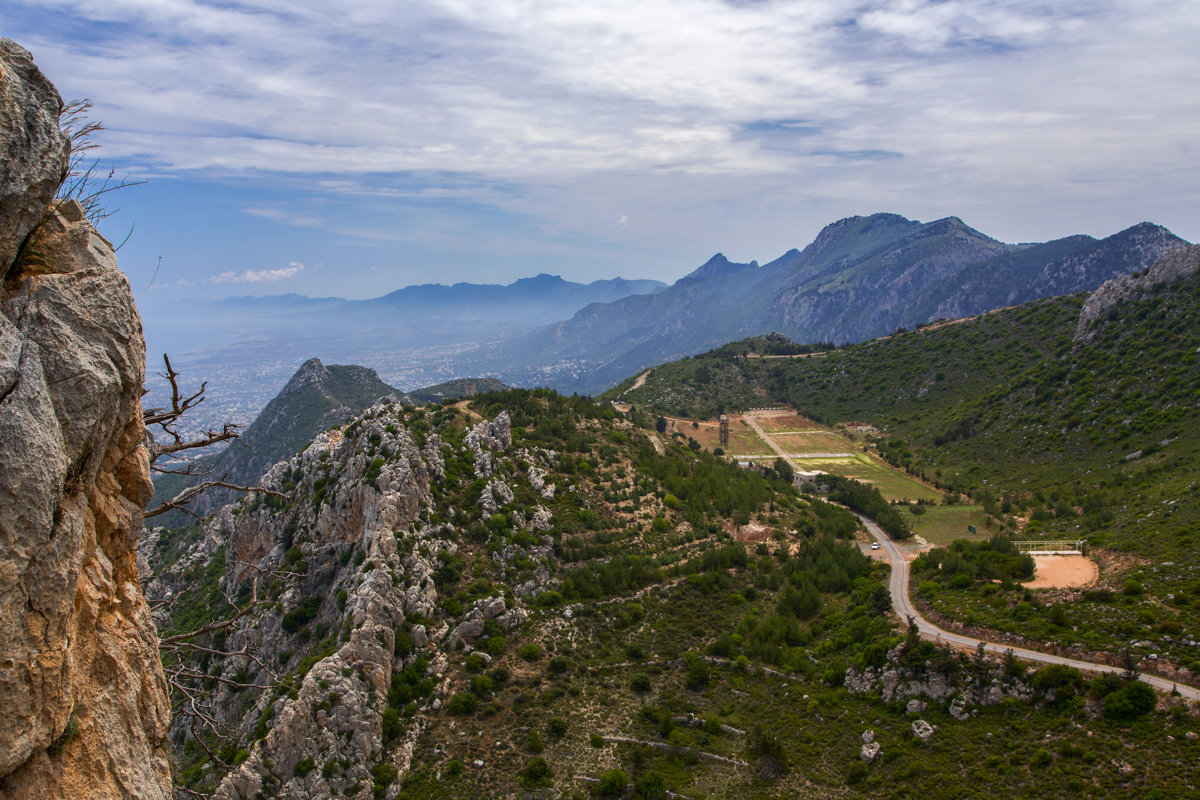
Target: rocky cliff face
343,567
1176,264
33,149
84,697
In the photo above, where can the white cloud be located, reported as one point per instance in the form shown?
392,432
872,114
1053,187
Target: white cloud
982,98
288,218
259,275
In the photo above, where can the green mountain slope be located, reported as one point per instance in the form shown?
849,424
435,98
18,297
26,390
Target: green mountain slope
534,597
1095,437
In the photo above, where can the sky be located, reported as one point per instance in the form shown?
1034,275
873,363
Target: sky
349,149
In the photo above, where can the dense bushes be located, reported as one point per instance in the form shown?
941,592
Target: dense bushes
868,501
995,559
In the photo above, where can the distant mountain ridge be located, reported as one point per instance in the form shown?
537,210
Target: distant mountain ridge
537,289
861,277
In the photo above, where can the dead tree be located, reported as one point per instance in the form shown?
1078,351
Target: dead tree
193,688
164,441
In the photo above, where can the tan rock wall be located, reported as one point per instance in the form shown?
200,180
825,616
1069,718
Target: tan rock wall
85,699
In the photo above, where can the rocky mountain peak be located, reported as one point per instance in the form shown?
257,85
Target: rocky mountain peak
310,372
717,267
836,238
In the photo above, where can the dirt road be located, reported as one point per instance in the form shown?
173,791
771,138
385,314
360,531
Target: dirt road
753,423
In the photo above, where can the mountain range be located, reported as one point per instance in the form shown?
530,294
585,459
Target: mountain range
861,277
531,594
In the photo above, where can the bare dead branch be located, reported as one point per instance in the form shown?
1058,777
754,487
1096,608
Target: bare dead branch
184,672
189,494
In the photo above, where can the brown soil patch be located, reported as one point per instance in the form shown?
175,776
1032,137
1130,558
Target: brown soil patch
786,421
753,533
1063,572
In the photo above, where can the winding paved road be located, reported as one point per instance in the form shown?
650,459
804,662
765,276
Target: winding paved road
898,586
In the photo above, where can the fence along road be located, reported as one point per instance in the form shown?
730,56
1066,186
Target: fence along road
898,587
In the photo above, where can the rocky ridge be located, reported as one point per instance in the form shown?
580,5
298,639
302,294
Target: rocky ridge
347,569
318,397
1172,266
84,695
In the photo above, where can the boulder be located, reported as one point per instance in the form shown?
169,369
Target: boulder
420,639
468,631
34,151
491,607
922,729
513,618
869,751
958,709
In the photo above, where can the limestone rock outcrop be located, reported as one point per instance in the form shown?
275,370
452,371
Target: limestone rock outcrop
33,150
1172,266
84,697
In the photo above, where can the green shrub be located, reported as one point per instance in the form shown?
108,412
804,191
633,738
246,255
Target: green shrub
557,727
640,682
304,766
1135,699
462,703
530,652
537,772
697,671
383,776
613,783
650,786
596,740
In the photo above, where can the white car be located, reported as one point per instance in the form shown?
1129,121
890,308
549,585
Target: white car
874,545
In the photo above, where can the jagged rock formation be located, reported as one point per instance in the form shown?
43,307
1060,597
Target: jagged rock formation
317,397
348,646
84,697
1176,264
352,555
33,149
986,684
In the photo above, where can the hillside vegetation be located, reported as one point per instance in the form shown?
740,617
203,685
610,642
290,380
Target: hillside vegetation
564,604
1056,437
